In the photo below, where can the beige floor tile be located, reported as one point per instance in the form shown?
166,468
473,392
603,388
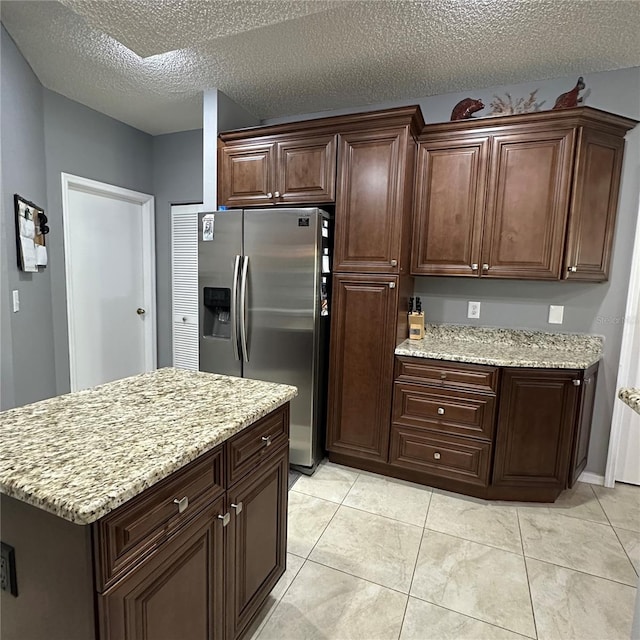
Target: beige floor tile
631,543
329,482
474,579
308,518
389,497
577,502
621,504
370,547
325,604
294,564
570,605
576,544
425,621
477,520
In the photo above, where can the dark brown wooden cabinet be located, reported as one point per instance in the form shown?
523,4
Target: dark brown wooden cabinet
363,338
277,170
498,197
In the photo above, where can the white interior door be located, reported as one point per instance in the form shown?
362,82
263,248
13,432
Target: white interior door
184,284
110,271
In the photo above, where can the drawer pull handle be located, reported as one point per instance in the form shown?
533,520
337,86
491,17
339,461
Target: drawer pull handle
436,455
237,507
440,411
266,440
225,519
443,376
182,503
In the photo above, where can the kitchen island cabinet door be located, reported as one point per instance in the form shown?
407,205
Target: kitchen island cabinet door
177,592
256,540
246,174
528,204
449,206
375,168
361,365
536,420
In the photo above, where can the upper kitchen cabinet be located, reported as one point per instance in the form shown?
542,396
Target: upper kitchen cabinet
530,196
376,165
283,169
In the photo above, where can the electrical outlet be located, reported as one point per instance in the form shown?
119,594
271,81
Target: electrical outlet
556,313
473,310
8,580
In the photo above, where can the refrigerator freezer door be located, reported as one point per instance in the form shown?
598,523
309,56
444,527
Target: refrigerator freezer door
219,243
283,311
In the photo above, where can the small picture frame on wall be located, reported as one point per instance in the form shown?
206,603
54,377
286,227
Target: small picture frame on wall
31,229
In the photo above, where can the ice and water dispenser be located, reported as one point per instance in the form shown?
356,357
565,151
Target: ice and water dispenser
217,312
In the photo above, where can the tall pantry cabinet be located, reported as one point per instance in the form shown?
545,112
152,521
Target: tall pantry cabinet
371,285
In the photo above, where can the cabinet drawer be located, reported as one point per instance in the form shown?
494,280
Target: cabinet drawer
466,414
451,375
439,455
137,527
246,450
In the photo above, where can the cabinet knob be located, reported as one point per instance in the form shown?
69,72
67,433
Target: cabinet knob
225,519
237,507
394,263
443,376
266,440
474,266
269,195
140,311
276,194
436,456
485,267
577,383
182,503
440,411
572,269
392,285
184,318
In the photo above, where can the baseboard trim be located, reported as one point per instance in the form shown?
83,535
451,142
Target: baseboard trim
591,478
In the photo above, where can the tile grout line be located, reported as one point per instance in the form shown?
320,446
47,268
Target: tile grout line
484,544
626,552
526,573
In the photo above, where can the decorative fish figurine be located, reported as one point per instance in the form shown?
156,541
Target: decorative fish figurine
570,98
466,108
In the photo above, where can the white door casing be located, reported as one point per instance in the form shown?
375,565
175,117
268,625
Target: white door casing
184,285
623,459
109,241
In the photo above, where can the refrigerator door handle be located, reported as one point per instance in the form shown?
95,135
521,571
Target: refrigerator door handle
234,308
243,305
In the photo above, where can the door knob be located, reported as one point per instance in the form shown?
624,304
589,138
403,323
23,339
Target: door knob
140,311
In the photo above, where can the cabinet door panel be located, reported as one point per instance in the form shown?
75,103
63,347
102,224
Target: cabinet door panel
307,169
175,593
257,539
527,205
369,203
450,194
246,174
535,424
361,365
593,210
583,425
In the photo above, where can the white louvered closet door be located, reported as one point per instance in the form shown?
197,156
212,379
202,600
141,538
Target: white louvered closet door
184,284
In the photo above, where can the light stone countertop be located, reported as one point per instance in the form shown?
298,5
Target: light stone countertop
505,347
81,455
630,396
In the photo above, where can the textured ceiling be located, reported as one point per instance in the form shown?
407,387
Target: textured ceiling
146,62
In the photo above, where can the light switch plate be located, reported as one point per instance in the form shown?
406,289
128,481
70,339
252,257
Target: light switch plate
473,310
16,300
556,313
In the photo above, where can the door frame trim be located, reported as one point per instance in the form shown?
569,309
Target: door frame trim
621,413
147,202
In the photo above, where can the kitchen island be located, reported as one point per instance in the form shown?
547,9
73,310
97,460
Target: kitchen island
150,507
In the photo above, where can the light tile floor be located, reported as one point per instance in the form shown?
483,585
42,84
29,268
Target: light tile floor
373,557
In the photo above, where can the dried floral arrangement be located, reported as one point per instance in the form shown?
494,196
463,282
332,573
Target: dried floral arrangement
506,107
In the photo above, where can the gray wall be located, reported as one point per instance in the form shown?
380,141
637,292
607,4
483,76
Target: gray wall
177,179
589,308
27,336
85,143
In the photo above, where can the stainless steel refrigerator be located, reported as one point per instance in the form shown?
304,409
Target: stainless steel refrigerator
263,296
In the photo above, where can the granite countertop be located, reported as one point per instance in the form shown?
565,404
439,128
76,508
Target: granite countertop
505,347
83,454
630,396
